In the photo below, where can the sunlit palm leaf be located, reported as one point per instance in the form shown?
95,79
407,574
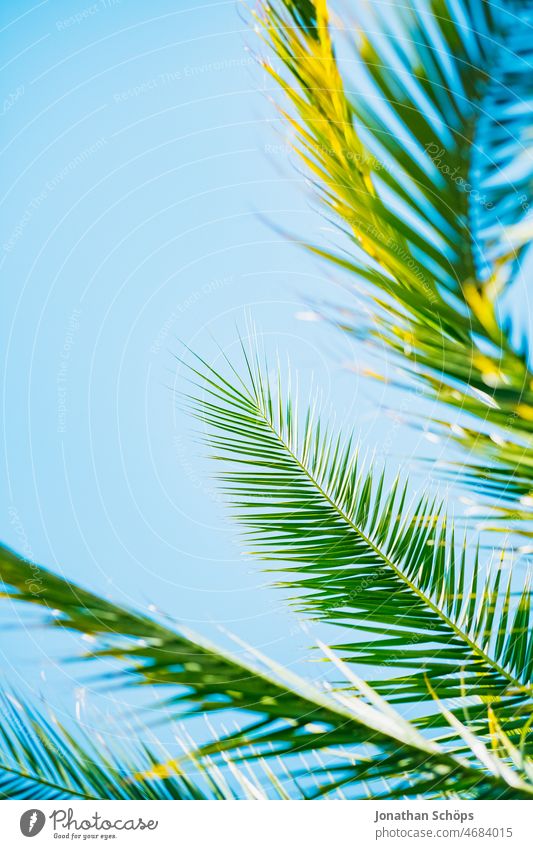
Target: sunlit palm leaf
362,558
289,716
39,759
417,167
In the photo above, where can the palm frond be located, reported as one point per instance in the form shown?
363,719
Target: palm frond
423,72
448,107
371,741
40,759
502,156
360,558
417,168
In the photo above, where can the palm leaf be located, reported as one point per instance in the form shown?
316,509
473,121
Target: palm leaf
371,741
39,759
417,169
361,559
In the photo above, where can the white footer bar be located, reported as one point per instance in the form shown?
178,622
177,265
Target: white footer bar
269,825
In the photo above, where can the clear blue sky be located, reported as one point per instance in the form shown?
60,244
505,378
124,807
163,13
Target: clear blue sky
141,159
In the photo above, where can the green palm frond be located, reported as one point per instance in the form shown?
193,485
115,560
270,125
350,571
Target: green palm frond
505,475
425,168
361,558
39,759
370,741
427,69
448,107
426,173
502,156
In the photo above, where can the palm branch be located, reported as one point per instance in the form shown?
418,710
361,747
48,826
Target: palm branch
371,742
40,759
359,557
441,112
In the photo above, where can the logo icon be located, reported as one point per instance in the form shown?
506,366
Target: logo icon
32,822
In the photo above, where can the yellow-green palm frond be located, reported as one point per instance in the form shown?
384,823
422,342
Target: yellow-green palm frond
419,141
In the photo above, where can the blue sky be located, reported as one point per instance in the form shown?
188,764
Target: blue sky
144,160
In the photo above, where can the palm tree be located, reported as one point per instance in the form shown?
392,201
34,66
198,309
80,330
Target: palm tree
413,171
